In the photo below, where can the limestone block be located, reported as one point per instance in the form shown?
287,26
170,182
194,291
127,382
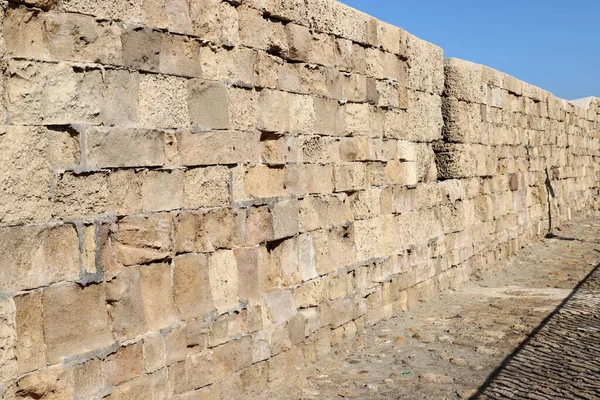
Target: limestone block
266,70
81,195
463,161
150,386
342,312
259,225
377,237
299,41
251,272
163,101
163,190
232,357
222,147
55,382
319,178
26,180
125,304
231,65
260,33
43,4
285,219
280,305
349,176
284,268
302,114
216,21
259,181
464,122
356,149
322,49
274,111
211,230
24,35
141,48
75,320
141,239
365,204
307,262
35,256
223,277
154,353
120,93
243,108
304,78
126,364
157,297
130,11
125,189
209,104
30,346
180,55
426,72
113,148
206,187
313,213
329,117
178,17
318,149
176,345
52,94
465,81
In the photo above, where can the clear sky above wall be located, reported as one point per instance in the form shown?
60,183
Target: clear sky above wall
549,43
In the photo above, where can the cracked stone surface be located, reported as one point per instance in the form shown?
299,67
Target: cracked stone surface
526,329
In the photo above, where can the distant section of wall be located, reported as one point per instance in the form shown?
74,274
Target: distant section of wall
198,197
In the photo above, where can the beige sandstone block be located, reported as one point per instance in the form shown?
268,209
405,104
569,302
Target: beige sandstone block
75,320
215,21
141,239
349,176
285,219
232,357
221,147
260,33
126,364
52,94
123,10
208,104
9,369
251,272
162,190
120,91
154,353
77,196
329,117
30,346
35,256
157,297
299,41
152,386
180,55
125,304
54,382
465,80
223,277
206,187
259,225
178,16
191,286
141,48
209,231
260,182
319,178
280,305
274,111
313,213
114,148
302,114
24,35
163,101
243,108
176,345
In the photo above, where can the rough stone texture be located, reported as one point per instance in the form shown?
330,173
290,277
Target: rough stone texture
198,197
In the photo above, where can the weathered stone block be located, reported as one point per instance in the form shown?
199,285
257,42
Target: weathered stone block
349,176
126,364
141,48
180,55
120,92
274,111
30,349
163,101
162,190
299,42
215,21
209,104
52,382
113,148
191,286
157,296
259,181
285,219
52,94
154,354
206,187
224,282
75,321
35,256
280,305
251,272
208,231
223,147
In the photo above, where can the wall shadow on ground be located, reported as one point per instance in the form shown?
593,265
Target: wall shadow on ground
560,359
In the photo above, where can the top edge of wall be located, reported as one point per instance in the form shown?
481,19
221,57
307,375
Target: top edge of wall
494,77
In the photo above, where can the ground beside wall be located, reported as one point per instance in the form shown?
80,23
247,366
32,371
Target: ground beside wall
198,197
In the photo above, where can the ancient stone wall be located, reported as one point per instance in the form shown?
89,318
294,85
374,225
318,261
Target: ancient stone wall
198,197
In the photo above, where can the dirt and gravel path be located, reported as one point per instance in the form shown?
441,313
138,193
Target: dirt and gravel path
528,329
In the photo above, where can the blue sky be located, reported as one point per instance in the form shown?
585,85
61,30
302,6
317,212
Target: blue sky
550,43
